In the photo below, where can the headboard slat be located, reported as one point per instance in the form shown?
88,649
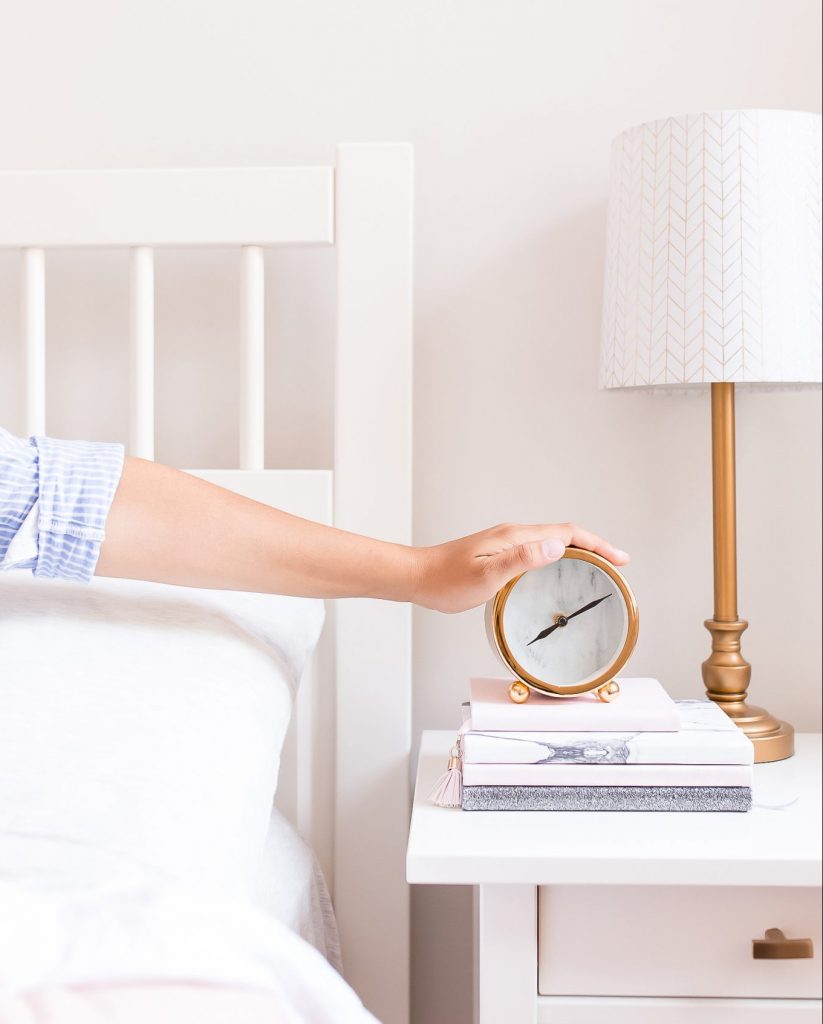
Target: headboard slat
33,329
252,357
141,327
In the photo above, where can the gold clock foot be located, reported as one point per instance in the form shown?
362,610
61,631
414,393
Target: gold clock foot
519,692
608,691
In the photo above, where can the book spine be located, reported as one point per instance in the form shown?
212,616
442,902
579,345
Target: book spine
607,798
687,747
608,718
615,775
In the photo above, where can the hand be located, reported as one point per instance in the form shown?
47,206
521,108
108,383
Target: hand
564,620
464,573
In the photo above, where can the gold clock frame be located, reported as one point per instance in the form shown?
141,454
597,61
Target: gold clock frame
495,624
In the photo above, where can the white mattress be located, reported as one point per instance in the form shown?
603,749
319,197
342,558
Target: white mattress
290,886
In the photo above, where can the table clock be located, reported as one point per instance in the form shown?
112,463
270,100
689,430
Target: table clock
566,628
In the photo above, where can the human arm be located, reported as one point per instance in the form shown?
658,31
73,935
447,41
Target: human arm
169,527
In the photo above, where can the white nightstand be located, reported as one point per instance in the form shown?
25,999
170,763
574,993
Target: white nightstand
583,918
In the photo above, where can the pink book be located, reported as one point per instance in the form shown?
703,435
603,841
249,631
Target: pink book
642,706
607,775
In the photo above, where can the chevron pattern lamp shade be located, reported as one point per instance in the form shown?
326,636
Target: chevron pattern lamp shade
713,260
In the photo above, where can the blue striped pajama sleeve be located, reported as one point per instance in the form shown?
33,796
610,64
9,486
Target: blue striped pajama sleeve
54,500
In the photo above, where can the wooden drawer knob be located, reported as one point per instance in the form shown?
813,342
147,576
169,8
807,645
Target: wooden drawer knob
775,946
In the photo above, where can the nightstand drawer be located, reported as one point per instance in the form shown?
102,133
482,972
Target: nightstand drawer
674,941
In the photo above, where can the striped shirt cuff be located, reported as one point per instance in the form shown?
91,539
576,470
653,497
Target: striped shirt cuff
76,488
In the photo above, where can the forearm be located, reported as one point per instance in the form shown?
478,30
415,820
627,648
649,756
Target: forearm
169,527
62,498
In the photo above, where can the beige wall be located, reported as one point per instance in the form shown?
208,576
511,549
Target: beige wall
511,107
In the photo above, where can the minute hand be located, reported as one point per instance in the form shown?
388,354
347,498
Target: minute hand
586,607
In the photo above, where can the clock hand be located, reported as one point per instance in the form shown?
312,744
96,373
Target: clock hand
586,607
544,633
564,619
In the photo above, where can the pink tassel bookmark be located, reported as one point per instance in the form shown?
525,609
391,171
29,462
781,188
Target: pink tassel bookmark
448,792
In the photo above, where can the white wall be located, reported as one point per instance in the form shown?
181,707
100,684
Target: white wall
511,107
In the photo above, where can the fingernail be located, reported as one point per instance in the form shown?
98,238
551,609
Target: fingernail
622,555
553,548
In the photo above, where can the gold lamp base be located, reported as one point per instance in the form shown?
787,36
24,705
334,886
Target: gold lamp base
726,672
773,740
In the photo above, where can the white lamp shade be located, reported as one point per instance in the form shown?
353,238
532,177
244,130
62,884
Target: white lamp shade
713,255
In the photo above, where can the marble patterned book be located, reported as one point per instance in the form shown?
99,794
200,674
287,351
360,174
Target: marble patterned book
642,706
607,798
607,775
706,736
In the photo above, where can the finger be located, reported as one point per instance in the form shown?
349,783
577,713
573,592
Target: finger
522,557
580,538
572,535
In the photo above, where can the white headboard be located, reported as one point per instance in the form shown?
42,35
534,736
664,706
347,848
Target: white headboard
345,776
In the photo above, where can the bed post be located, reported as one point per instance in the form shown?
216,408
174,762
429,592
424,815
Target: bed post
373,484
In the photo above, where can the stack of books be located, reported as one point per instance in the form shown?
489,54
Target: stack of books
641,752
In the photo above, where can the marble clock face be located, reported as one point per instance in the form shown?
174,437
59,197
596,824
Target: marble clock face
565,624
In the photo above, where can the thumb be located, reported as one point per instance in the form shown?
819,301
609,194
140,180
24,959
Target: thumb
521,557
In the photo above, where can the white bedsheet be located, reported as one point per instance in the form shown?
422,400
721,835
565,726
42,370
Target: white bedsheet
158,1003
131,927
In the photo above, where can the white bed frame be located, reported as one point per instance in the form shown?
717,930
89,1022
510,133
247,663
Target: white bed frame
345,777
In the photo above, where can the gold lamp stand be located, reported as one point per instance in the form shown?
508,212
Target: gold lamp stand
726,672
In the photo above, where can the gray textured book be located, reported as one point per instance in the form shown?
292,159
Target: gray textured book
607,798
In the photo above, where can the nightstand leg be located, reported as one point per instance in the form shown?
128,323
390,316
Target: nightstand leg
505,960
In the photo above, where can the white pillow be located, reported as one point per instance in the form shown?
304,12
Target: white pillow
143,723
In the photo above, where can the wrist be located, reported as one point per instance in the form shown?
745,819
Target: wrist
418,570
407,575
425,575
382,570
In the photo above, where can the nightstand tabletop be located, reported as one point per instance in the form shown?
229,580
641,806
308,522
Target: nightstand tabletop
762,847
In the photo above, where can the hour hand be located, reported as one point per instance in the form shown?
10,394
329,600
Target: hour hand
544,633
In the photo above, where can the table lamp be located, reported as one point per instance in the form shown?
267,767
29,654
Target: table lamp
713,277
